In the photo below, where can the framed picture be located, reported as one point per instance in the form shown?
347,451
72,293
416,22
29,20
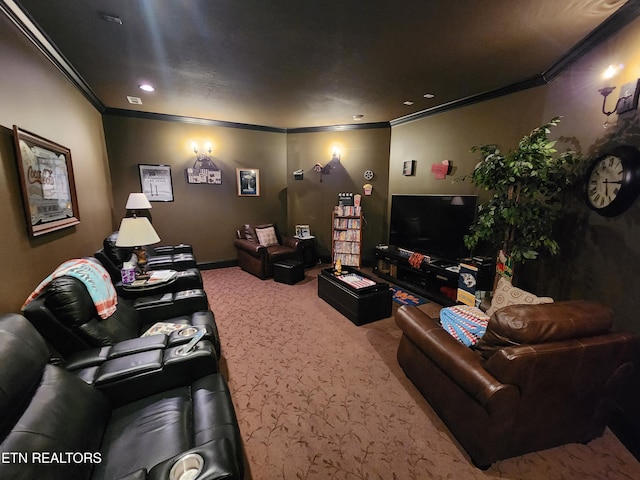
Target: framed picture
303,231
155,181
409,168
248,182
47,184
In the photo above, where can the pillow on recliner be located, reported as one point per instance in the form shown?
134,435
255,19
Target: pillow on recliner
506,294
267,236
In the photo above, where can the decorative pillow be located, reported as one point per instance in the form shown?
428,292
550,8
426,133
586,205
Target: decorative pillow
267,236
163,327
506,294
465,323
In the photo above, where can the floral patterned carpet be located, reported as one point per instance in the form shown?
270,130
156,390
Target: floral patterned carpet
320,398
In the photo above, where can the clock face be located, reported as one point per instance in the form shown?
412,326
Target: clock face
613,181
605,181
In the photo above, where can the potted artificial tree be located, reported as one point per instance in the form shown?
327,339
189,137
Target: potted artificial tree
528,185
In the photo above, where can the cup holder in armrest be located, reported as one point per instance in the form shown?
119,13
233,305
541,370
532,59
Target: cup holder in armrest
187,332
177,355
184,335
187,467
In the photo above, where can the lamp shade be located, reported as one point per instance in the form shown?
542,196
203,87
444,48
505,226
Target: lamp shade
136,232
137,201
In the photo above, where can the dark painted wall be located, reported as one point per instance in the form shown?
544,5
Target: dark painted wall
312,199
36,97
600,256
205,216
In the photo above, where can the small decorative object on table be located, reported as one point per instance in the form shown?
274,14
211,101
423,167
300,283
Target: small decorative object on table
338,267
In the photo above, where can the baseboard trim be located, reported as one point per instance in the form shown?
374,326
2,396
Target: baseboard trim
218,264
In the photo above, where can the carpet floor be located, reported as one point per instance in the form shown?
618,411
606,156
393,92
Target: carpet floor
320,398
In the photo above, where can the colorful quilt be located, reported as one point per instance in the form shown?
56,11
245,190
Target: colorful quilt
465,323
94,277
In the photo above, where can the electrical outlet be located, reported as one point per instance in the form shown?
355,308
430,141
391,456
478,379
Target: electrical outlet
628,97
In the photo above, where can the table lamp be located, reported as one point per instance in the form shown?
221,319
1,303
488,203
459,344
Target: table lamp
137,232
138,205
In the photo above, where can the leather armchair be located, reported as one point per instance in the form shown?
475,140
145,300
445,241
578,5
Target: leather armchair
176,257
258,259
66,316
64,428
541,376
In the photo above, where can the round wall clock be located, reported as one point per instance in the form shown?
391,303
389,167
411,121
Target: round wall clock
368,174
613,181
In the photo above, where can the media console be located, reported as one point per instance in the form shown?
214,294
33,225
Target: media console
431,279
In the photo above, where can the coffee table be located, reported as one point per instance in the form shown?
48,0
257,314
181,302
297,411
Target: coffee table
354,294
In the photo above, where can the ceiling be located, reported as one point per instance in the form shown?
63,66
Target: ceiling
296,64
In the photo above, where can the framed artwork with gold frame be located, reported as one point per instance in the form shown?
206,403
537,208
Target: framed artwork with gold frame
47,183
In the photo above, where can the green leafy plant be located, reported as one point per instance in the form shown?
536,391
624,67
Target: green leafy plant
527,185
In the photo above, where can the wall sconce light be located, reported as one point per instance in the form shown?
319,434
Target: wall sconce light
204,170
202,157
335,156
330,165
627,101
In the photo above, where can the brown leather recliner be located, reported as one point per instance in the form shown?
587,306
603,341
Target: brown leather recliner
541,376
257,258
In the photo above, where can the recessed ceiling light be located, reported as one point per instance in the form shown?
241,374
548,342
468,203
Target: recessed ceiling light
408,102
358,117
147,88
134,100
428,95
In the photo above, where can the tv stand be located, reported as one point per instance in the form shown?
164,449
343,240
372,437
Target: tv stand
430,279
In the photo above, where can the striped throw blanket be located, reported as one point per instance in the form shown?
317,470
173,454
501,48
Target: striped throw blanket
94,277
464,323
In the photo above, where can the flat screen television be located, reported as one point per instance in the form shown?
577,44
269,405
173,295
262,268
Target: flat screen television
432,224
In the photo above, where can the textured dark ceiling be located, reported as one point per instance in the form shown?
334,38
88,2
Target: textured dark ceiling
298,63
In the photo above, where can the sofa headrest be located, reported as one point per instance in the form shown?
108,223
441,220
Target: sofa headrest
531,324
69,301
118,255
23,356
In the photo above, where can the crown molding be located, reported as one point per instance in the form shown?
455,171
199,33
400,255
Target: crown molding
27,26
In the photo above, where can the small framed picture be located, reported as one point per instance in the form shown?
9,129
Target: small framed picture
248,180
155,181
409,168
303,231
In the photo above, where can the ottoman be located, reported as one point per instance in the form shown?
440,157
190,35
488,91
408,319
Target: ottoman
288,271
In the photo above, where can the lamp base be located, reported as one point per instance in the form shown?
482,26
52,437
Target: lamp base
141,255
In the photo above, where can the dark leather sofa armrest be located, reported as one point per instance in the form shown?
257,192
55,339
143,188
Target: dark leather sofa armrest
252,248
137,475
156,308
87,358
462,364
132,377
219,462
291,242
